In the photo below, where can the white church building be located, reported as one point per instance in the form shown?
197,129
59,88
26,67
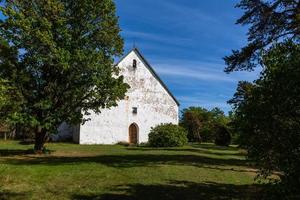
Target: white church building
147,104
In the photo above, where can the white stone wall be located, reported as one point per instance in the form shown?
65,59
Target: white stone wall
153,102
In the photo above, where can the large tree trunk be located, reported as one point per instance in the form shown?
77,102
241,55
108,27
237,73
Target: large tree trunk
40,138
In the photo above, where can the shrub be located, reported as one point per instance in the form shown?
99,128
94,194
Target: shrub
167,135
223,137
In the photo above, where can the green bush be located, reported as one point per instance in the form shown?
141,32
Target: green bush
167,135
223,137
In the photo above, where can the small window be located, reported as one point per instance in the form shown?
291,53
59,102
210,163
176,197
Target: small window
134,64
134,110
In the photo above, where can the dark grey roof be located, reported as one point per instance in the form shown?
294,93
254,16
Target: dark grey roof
152,72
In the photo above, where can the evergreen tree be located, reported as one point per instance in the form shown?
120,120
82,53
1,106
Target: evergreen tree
270,22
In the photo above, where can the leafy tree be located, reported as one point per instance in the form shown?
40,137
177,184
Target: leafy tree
193,123
234,129
223,137
10,98
219,116
269,21
268,114
60,60
201,123
237,126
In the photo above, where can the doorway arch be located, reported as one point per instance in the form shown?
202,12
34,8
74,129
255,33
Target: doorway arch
133,133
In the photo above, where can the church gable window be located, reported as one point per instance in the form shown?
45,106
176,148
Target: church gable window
134,63
134,110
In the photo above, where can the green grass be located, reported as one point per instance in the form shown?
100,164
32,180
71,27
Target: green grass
115,172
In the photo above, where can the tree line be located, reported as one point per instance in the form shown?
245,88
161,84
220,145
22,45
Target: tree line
205,125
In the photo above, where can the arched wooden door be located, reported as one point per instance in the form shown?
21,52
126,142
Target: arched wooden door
133,134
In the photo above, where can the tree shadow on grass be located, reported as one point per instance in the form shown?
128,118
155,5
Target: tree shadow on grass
137,160
204,148
181,190
214,147
6,195
193,150
26,142
15,152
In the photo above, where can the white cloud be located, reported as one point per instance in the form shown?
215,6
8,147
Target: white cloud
165,39
205,71
188,101
200,74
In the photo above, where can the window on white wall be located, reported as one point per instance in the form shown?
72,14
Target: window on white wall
134,110
134,63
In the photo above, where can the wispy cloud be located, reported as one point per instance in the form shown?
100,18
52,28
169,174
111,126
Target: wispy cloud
186,12
204,71
157,38
203,102
201,74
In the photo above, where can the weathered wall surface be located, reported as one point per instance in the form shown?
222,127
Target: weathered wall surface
153,102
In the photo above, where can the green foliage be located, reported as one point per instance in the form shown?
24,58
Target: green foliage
234,129
269,22
60,60
201,123
192,120
223,137
267,113
168,135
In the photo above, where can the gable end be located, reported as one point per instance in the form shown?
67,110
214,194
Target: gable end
147,64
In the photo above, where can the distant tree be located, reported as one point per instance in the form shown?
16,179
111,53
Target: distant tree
219,116
223,137
58,55
201,123
192,122
270,21
268,115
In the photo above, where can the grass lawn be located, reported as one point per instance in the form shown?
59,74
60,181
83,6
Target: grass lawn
115,172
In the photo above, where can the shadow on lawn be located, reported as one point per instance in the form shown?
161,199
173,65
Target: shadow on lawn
137,160
15,152
180,190
199,148
214,147
192,150
5,195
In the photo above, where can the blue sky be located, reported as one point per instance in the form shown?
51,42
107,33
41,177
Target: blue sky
185,42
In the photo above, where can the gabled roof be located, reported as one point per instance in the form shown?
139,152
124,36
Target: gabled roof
147,64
